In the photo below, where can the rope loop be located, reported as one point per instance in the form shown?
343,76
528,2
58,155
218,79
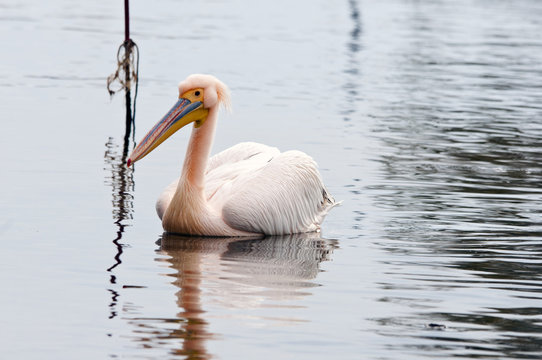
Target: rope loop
127,68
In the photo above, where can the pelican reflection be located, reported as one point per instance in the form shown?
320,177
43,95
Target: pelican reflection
238,273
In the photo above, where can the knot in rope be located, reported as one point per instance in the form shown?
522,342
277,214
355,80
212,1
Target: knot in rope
127,68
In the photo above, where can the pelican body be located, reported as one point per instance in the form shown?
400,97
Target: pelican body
245,190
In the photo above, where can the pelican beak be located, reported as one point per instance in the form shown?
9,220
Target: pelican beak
181,114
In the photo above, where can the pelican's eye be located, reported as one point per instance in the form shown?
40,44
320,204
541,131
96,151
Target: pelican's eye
194,94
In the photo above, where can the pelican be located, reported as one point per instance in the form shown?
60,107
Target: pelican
245,190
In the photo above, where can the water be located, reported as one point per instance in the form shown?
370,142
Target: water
425,118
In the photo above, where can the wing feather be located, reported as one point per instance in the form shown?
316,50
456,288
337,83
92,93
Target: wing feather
285,196
239,152
231,166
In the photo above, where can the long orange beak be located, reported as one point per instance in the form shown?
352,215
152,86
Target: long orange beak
181,114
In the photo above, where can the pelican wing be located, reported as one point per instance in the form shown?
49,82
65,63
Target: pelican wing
238,153
231,166
286,195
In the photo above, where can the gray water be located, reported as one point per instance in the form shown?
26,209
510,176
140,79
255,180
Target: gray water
425,118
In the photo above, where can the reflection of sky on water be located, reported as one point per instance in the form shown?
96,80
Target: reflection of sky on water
460,189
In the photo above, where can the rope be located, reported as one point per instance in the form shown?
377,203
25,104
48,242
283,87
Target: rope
127,72
126,20
127,68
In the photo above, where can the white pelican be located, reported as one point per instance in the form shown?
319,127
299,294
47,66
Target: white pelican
245,190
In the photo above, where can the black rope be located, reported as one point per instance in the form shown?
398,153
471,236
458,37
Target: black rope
126,20
135,93
127,72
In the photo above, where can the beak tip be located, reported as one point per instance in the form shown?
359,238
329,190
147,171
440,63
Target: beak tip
129,162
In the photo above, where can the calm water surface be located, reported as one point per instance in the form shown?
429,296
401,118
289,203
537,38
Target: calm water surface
424,116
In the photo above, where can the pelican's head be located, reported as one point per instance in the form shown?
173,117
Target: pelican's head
198,94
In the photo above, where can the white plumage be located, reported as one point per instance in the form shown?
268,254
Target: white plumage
247,189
